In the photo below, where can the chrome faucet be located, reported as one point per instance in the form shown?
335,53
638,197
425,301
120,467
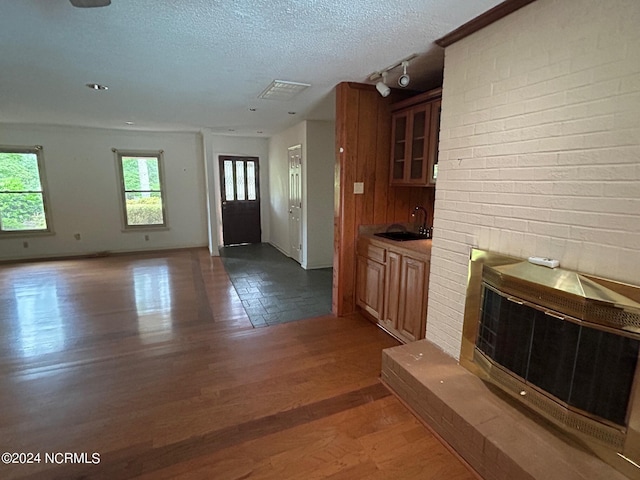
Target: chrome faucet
422,230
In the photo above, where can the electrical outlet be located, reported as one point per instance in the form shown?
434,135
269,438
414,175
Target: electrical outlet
77,236
146,238
25,244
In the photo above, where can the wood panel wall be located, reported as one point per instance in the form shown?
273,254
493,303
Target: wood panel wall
363,136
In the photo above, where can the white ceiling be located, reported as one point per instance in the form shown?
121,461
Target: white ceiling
184,65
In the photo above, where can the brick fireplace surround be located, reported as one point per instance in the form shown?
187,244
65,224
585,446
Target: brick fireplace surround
538,155
500,440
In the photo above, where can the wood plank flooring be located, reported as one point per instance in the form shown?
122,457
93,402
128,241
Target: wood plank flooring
150,361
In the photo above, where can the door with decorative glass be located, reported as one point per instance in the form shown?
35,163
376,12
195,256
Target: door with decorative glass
240,189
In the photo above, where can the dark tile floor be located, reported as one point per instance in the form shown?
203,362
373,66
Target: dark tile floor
273,287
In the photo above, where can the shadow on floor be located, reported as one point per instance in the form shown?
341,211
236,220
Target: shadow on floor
273,287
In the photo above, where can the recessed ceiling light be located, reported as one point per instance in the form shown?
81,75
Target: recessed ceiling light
90,3
130,123
97,86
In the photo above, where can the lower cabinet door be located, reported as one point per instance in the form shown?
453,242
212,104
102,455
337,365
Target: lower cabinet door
370,282
411,316
392,291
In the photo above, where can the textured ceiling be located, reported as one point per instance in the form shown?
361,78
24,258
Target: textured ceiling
184,65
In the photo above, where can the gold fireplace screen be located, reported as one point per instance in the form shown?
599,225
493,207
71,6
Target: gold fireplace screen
513,308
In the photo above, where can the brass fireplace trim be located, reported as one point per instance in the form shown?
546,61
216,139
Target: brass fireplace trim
571,293
553,410
580,299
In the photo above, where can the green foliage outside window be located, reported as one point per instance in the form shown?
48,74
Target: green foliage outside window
143,195
144,211
141,173
21,196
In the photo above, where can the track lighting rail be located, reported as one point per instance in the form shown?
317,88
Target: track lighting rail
377,75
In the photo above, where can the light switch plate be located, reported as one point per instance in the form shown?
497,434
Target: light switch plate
358,188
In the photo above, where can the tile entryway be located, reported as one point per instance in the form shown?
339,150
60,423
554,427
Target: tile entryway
273,287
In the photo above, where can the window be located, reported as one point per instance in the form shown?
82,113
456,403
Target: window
142,189
23,203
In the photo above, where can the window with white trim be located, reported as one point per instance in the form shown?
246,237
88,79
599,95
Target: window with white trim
23,200
142,189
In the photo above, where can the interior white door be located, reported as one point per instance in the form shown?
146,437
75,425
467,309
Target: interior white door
295,202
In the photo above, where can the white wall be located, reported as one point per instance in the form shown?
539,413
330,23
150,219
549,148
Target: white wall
216,145
318,146
84,191
319,179
539,148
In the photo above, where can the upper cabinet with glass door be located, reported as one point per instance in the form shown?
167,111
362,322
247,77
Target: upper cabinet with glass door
415,124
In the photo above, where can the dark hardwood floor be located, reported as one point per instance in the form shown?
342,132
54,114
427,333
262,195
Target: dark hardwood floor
146,366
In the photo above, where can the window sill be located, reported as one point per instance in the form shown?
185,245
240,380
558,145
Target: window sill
145,228
26,233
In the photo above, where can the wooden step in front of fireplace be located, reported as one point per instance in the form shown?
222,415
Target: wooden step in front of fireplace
499,439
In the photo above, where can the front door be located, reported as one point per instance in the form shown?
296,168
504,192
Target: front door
240,189
295,203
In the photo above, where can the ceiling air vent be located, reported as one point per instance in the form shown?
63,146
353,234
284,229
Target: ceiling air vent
283,90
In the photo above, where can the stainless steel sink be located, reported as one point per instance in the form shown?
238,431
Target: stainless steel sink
402,236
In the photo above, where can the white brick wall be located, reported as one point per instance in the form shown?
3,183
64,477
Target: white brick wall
539,148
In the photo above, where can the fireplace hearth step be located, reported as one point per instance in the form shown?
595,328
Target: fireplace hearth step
497,438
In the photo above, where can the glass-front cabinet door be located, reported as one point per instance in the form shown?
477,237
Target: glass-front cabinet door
399,148
414,145
420,119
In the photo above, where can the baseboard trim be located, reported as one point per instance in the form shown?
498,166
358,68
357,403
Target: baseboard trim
106,253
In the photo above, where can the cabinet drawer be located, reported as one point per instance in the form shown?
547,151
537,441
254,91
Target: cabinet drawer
371,251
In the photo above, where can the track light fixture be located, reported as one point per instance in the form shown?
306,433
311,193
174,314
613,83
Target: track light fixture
403,80
382,87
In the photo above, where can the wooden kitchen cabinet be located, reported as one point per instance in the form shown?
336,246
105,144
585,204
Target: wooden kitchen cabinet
415,125
370,281
413,305
392,291
392,287
370,277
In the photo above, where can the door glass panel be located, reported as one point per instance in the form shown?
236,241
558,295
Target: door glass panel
418,124
417,158
399,146
240,180
229,194
417,145
251,180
